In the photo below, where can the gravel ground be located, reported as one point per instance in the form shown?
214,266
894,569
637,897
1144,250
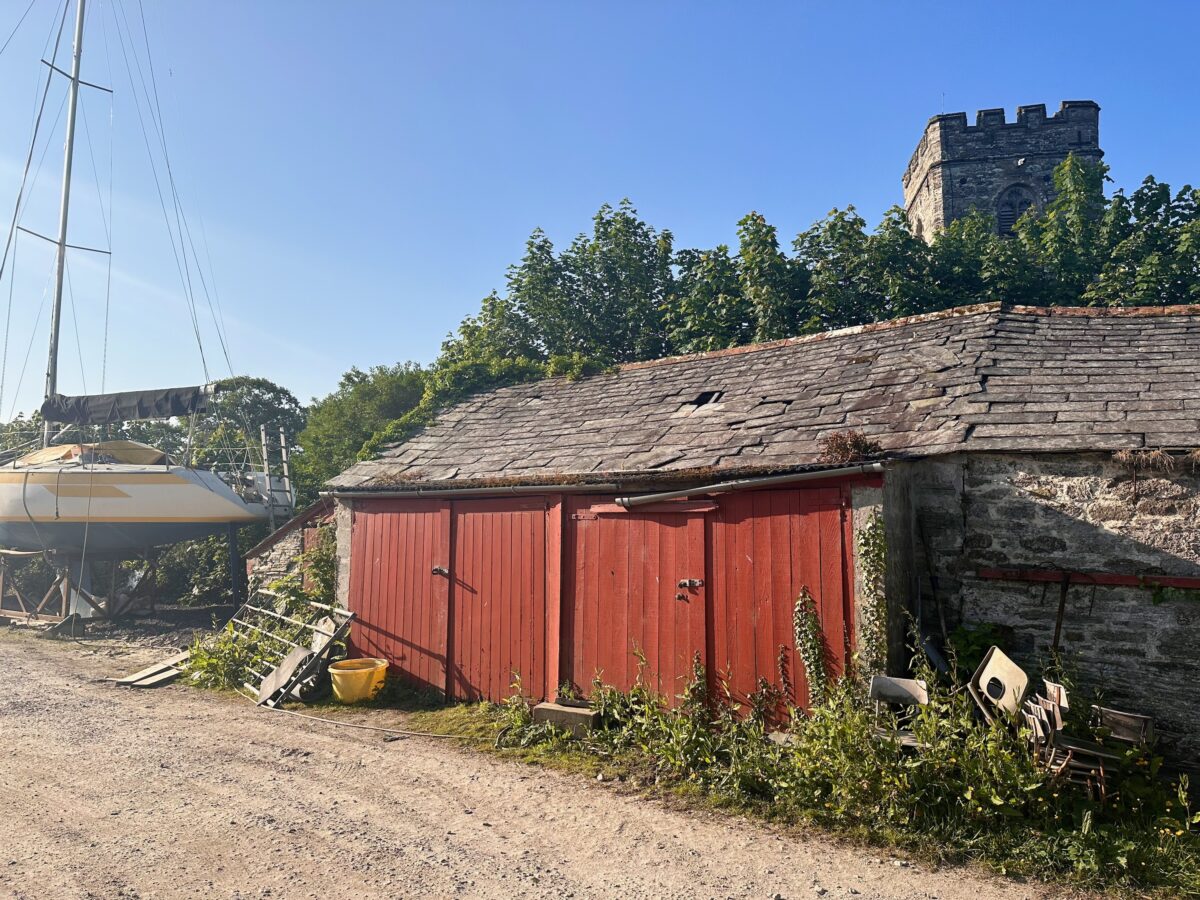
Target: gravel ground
112,792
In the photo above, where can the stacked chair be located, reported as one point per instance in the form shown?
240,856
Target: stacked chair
902,695
1000,688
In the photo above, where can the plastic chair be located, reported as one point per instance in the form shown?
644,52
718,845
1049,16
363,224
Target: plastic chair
905,693
998,683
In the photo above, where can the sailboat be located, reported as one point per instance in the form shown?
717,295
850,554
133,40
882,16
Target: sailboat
91,500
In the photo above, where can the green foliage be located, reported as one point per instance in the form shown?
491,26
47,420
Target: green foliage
871,544
574,367
709,310
970,792
341,422
446,385
969,643
810,644
623,293
246,404
196,573
228,660
773,286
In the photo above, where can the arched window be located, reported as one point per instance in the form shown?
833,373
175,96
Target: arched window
1012,205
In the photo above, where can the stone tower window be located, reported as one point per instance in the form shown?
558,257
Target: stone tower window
1011,205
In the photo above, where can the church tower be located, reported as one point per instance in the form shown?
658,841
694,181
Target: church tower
1000,168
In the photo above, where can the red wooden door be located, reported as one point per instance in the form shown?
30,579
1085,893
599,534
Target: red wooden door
623,596
766,547
401,602
498,598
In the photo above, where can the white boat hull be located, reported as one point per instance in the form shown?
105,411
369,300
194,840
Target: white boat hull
115,508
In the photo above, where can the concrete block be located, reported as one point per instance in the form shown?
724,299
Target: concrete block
576,719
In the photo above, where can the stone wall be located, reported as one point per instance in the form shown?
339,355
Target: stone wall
343,520
1070,512
994,164
278,555
275,561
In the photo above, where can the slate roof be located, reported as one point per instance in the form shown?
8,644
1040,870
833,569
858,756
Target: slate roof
986,377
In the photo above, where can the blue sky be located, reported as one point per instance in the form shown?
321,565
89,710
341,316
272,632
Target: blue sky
362,173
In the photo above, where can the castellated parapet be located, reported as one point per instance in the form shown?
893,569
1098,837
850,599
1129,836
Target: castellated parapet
997,167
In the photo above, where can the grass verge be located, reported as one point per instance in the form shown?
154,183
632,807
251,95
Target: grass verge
972,796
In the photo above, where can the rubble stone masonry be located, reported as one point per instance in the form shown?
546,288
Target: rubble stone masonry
1068,512
1000,168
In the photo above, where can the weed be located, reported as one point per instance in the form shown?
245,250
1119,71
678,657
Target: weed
971,792
848,447
228,659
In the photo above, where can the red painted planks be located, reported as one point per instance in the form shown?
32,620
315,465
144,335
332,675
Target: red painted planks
622,569
765,547
499,597
400,603
567,588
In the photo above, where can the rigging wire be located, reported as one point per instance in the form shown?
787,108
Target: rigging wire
18,205
41,108
183,228
179,264
7,326
186,228
75,322
36,322
108,262
106,220
17,27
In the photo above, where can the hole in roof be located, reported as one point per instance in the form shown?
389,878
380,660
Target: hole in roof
705,398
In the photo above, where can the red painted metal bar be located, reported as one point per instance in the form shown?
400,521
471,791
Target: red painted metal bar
1057,576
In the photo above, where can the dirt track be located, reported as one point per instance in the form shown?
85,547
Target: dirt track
111,792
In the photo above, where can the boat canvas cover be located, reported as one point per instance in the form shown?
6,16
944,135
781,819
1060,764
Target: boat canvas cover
131,452
106,409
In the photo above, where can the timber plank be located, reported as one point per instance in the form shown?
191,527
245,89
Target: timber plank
154,669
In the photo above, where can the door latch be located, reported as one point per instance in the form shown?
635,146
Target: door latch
440,570
691,583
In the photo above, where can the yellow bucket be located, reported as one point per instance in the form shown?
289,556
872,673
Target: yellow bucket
357,679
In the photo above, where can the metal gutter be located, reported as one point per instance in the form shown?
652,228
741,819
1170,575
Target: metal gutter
515,490
725,487
518,490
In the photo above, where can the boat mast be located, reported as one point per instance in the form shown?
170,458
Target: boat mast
60,269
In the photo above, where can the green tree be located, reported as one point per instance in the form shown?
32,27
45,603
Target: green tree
708,310
615,283
897,265
1150,245
774,286
1066,239
835,252
341,422
246,403
958,260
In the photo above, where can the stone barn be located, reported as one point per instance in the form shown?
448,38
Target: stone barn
1035,472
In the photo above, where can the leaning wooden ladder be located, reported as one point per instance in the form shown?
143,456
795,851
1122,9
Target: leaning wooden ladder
289,664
